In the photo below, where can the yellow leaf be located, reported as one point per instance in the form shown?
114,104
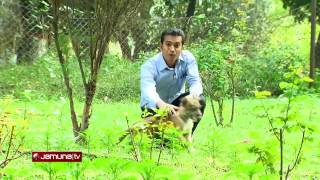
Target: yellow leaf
262,94
307,79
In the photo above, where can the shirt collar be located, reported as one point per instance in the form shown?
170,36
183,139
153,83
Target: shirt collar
163,65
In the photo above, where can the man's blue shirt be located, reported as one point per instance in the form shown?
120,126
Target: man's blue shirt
158,81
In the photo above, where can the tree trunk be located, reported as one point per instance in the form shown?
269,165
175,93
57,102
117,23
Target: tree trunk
107,14
313,43
65,72
90,92
281,154
233,98
190,12
220,111
318,52
213,111
191,8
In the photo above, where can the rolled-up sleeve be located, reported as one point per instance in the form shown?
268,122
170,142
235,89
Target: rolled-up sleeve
193,77
149,94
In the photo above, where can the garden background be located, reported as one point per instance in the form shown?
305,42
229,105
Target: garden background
69,81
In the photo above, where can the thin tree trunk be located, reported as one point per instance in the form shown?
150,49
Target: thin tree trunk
231,76
318,52
290,168
92,84
220,111
64,71
313,43
191,8
281,154
213,111
106,18
233,105
190,12
86,114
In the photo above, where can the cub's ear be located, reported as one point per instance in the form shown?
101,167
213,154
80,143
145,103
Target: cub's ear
184,101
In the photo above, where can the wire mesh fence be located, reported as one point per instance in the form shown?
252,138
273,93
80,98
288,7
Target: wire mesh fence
9,28
134,36
26,33
23,31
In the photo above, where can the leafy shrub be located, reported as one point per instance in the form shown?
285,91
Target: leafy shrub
290,117
218,70
42,79
213,66
118,79
265,70
261,70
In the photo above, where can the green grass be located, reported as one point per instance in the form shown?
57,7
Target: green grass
220,153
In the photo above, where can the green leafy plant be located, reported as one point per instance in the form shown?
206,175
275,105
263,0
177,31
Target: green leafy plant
290,119
218,69
147,138
149,170
265,157
77,170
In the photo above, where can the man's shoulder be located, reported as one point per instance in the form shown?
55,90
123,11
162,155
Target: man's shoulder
187,52
187,56
151,61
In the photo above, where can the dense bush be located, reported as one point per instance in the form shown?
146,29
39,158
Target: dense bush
263,70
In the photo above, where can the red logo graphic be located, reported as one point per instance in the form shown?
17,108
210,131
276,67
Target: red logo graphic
56,156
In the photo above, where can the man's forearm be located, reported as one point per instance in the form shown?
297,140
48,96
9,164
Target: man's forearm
161,104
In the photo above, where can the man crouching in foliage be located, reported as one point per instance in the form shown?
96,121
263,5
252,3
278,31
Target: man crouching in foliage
163,76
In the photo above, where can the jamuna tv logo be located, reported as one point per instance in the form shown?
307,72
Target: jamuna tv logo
56,156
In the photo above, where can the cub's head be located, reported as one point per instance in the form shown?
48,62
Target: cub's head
190,108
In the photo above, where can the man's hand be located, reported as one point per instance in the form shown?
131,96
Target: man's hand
162,105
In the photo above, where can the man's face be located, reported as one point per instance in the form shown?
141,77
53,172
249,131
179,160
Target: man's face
171,48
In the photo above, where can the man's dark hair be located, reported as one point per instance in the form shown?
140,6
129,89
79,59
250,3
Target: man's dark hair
172,32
